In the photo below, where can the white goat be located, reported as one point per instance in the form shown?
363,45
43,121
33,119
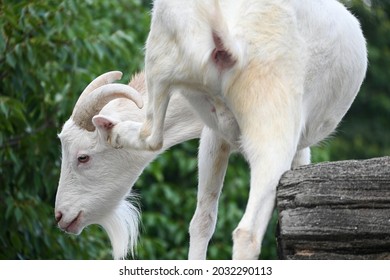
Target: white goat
268,77
96,179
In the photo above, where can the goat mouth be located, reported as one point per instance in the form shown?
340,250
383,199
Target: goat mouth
73,226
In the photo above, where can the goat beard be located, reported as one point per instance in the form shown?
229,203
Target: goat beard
122,228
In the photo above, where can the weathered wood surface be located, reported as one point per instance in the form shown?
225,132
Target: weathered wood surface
337,210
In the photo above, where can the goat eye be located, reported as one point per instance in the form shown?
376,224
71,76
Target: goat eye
83,158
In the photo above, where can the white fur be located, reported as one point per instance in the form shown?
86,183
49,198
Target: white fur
101,188
122,229
298,65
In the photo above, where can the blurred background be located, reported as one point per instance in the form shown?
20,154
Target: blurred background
51,49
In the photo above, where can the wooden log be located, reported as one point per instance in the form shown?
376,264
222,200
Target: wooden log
336,210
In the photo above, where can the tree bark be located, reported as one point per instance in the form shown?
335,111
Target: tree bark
336,210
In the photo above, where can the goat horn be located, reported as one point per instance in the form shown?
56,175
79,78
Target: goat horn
97,94
106,78
103,79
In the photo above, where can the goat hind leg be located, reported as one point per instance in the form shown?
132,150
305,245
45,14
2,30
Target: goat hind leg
269,146
152,131
247,237
266,170
213,159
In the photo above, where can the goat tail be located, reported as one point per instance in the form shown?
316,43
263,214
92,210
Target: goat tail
228,51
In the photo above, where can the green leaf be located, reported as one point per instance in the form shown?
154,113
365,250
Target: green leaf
16,242
18,215
11,60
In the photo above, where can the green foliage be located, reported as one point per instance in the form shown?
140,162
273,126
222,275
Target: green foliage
49,51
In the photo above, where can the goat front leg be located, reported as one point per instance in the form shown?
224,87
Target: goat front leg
213,159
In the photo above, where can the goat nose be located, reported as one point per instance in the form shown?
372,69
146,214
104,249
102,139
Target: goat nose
58,216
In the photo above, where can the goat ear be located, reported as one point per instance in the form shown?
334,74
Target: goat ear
102,122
